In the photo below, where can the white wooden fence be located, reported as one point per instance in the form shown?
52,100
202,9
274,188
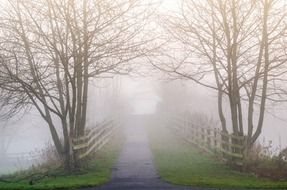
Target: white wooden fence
211,140
94,139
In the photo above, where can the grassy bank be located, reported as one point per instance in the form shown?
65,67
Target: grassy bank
180,163
97,173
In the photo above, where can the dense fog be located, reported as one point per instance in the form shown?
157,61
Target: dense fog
140,89
23,138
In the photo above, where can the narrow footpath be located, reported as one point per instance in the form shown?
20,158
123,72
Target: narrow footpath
135,168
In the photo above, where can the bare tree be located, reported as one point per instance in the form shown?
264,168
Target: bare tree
233,47
50,49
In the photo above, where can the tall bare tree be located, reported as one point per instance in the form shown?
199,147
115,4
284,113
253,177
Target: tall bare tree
233,47
50,49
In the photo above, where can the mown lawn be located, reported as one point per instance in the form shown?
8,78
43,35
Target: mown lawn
97,173
180,163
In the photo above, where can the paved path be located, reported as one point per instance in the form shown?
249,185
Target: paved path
135,168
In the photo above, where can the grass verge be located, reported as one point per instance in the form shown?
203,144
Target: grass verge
180,163
97,173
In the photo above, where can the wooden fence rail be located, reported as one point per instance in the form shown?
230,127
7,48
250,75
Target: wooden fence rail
94,139
211,140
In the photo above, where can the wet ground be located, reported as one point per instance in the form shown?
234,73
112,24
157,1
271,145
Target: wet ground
135,168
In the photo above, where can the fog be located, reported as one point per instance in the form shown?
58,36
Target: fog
25,136
22,137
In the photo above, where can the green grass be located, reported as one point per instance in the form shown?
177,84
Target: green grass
180,163
98,173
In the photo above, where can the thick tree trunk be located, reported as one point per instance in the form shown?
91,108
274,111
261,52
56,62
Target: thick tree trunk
220,111
68,156
85,72
264,48
265,75
55,137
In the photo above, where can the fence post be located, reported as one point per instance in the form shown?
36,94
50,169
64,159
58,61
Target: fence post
215,139
192,133
225,144
237,142
203,137
208,138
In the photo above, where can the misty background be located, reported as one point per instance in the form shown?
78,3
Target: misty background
127,95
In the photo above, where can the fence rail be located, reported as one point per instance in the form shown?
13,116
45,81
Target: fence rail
211,140
94,139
